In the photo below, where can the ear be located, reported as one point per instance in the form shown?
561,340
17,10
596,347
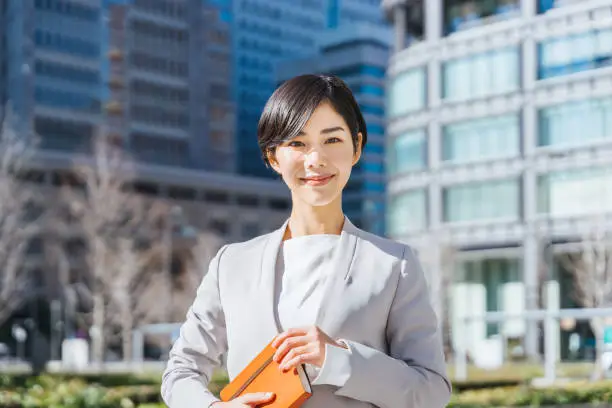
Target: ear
357,154
273,162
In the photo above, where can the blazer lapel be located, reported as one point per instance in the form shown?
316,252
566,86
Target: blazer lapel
268,282
339,276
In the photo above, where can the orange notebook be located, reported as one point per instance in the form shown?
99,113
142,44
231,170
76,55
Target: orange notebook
291,388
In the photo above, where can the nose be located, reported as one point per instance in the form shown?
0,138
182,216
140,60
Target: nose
314,159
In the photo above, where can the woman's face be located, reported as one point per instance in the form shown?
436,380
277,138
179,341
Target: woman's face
316,164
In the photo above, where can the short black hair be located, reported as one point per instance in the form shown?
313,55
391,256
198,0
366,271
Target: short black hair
295,100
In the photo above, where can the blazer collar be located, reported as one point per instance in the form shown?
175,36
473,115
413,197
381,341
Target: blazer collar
340,264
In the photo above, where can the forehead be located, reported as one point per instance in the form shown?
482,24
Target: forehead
324,116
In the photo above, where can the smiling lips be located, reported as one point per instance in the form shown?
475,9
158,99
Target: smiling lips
317,180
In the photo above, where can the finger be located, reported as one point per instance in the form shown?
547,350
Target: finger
297,360
295,331
255,398
296,351
287,345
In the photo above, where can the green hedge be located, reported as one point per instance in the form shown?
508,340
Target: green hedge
57,392
570,394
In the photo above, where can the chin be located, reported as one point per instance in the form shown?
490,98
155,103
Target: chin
319,201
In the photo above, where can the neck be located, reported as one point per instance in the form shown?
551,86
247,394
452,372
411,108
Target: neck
308,220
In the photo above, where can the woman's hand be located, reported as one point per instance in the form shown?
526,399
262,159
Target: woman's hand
304,345
246,401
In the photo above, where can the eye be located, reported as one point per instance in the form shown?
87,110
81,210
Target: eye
334,140
295,143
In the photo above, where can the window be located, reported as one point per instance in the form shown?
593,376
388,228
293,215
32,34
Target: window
545,5
375,129
372,110
374,167
407,152
575,123
485,138
407,212
62,71
466,14
575,192
371,90
65,99
498,199
575,53
481,75
407,92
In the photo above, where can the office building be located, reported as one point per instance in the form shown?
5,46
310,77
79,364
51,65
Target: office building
157,73
270,31
153,75
358,54
499,125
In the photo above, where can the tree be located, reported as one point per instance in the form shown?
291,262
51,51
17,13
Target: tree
591,268
19,221
106,211
129,281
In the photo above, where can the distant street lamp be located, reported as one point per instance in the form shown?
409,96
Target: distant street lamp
174,219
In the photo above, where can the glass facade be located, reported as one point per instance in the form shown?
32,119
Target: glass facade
481,139
492,285
407,152
575,123
489,200
546,5
480,75
407,212
407,92
575,53
575,192
465,14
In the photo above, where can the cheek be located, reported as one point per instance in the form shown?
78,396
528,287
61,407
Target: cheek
288,159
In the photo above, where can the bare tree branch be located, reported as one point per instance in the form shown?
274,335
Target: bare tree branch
591,268
18,223
106,211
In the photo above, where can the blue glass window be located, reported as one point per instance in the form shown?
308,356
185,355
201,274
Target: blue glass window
481,75
546,5
371,90
372,110
374,148
489,200
377,72
576,123
374,167
407,152
407,92
575,53
466,14
226,16
375,129
575,192
483,138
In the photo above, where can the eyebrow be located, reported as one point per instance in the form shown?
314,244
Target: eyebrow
326,131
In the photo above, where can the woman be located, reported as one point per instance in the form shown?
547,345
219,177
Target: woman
350,306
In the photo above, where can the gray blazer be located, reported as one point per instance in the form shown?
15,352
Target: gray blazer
377,301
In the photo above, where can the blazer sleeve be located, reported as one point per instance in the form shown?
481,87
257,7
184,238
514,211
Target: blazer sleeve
413,374
198,350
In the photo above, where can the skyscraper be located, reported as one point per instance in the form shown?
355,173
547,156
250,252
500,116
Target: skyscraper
499,123
358,54
153,75
267,32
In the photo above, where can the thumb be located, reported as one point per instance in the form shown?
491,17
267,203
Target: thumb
256,397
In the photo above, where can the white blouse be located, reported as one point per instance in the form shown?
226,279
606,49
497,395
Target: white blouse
302,270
